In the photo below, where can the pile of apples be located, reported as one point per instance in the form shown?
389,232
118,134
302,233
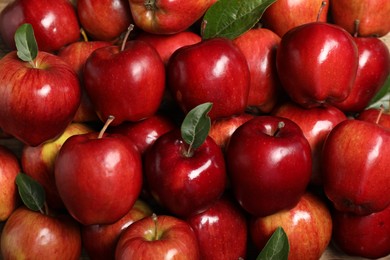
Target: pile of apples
193,129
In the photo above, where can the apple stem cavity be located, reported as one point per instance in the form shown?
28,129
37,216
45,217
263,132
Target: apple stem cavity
129,30
323,4
105,126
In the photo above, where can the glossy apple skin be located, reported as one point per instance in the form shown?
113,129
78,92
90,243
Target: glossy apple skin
100,241
104,20
373,16
75,54
222,128
221,231
87,167
308,227
355,167
372,115
284,15
134,79
363,236
269,170
38,162
9,169
174,239
50,93
144,133
214,71
317,63
55,23
166,45
259,46
184,185
373,70
167,16
315,123
32,235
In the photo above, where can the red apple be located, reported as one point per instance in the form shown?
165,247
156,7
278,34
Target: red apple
104,20
317,63
221,231
372,14
373,70
283,15
183,183
167,16
379,116
38,162
168,44
355,167
9,169
308,227
37,102
75,54
269,164
100,241
98,178
259,47
315,123
363,236
127,83
158,237
55,23
32,235
214,71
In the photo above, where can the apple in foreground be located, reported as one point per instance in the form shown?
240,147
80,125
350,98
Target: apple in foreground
308,227
158,237
356,166
100,241
32,235
9,169
221,231
269,164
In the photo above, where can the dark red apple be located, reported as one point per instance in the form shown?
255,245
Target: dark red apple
308,227
221,231
355,167
317,63
269,164
158,237
100,241
283,15
362,236
214,71
9,169
259,46
104,20
55,23
32,235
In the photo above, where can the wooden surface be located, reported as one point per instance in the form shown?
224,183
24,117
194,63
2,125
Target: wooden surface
330,254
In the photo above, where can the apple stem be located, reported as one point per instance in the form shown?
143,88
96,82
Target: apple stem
108,122
357,24
129,29
323,4
84,34
381,110
281,124
154,218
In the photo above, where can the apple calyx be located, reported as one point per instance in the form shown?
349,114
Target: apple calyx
323,4
26,44
195,127
105,126
127,34
150,5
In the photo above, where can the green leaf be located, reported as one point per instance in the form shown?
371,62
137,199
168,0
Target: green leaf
231,18
277,247
25,43
31,192
196,125
380,97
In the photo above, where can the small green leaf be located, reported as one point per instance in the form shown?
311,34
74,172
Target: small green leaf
196,125
277,247
231,18
26,43
31,192
379,98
